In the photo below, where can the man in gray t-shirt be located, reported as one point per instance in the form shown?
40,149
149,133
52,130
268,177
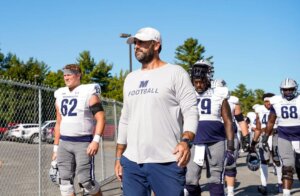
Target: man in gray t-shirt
153,146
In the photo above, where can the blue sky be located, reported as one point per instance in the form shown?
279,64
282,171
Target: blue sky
254,42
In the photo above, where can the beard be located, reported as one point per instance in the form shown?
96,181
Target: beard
145,57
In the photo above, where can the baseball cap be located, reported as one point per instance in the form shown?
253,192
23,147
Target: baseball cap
146,34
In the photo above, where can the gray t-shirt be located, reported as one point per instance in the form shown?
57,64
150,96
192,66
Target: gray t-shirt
156,103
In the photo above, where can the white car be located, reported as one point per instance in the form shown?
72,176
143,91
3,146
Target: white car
32,135
15,132
28,132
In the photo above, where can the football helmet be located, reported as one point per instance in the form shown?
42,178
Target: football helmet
253,161
202,70
289,83
54,173
218,83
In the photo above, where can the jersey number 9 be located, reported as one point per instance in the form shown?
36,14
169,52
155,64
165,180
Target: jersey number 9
205,106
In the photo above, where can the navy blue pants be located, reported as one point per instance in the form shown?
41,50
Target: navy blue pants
165,179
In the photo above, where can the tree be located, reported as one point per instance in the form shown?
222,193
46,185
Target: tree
190,52
115,87
13,67
92,72
101,74
55,79
248,97
259,96
35,68
87,64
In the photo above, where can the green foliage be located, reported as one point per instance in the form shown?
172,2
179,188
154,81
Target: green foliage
21,112
32,70
101,74
115,87
248,97
55,80
188,53
92,72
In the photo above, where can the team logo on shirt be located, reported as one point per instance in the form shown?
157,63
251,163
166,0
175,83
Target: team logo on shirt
143,84
143,89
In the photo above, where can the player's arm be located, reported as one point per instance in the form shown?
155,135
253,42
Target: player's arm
56,132
97,110
257,133
244,128
238,115
271,122
257,129
268,130
227,118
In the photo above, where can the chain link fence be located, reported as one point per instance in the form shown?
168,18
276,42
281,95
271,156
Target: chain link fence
27,111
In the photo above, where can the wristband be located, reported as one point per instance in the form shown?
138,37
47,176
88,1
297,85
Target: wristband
97,138
55,147
230,145
265,138
188,142
118,158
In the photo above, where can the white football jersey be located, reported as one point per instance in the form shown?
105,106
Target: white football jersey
263,114
210,103
287,112
252,118
77,119
233,101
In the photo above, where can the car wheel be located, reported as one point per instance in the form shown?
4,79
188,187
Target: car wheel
35,139
13,139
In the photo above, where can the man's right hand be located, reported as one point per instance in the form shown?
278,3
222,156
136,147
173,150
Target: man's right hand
118,170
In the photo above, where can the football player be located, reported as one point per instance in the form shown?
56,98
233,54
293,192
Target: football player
236,112
286,109
262,113
209,142
77,137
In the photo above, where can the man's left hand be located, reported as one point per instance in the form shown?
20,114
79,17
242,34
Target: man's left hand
92,148
183,154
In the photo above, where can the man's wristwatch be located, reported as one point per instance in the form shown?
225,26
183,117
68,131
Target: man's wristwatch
188,141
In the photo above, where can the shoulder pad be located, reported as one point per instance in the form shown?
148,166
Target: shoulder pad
251,115
259,108
275,99
93,89
255,106
222,92
298,99
59,91
233,99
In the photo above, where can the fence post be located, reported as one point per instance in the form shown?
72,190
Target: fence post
40,142
116,120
